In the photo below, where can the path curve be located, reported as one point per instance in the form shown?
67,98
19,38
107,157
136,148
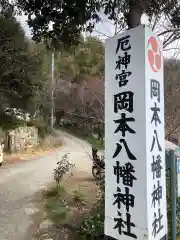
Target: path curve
20,182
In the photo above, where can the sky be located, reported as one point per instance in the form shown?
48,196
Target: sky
22,19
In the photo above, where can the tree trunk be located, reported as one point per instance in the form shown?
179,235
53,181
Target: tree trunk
134,15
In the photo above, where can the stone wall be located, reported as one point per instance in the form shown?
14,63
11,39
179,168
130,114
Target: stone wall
21,138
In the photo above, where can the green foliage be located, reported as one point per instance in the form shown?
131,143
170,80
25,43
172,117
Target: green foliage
85,59
70,18
98,143
19,75
63,167
94,224
54,206
54,191
79,196
43,128
8,122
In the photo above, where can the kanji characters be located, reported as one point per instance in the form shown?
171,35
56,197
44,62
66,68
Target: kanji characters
155,89
124,226
122,77
119,148
156,164
156,167
155,139
156,194
123,44
125,172
124,101
125,198
157,223
123,124
155,117
123,61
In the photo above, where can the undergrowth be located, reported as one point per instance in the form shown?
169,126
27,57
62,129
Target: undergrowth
79,196
55,198
98,143
93,224
43,128
55,207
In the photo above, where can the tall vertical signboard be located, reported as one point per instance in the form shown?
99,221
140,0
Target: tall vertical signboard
135,190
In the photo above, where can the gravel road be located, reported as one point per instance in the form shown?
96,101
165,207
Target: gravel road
20,182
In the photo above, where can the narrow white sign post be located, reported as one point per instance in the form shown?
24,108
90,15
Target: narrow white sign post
178,175
135,190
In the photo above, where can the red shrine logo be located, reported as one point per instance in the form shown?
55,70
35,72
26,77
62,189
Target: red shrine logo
154,54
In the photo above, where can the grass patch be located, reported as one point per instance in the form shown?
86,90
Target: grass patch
79,196
55,191
54,204
99,144
57,211
67,206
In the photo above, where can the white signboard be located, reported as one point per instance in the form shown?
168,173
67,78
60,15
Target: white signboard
135,197
178,176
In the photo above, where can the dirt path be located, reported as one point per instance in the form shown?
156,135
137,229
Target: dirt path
19,184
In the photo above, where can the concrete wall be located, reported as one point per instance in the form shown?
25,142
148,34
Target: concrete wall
21,138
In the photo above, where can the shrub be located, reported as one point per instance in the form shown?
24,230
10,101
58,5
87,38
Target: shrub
55,204
94,224
98,143
9,122
64,166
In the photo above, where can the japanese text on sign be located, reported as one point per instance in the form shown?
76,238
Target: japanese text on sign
156,167
126,172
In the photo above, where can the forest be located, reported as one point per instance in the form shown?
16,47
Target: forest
78,85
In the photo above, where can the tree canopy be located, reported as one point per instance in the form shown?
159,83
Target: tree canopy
18,66
85,59
69,18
